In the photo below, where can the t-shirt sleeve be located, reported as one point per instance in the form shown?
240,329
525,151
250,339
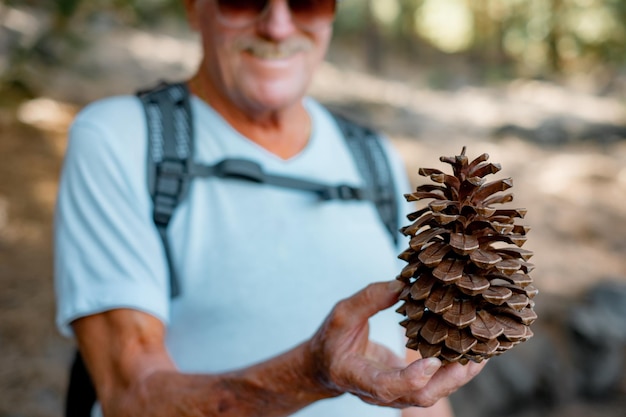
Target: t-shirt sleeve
108,253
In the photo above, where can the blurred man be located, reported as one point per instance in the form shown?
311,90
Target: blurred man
258,329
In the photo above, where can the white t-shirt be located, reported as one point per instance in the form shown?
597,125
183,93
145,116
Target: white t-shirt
260,266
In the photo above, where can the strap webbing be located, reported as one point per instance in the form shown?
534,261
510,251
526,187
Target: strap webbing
170,151
373,164
247,170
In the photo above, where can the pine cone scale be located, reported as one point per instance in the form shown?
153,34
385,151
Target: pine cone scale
463,244
460,341
440,300
434,331
449,270
462,314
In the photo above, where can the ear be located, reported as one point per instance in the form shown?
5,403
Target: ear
192,13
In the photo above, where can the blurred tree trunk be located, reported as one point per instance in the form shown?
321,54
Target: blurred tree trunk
554,36
373,41
496,48
479,51
408,41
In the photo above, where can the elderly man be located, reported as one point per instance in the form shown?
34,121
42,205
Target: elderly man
274,314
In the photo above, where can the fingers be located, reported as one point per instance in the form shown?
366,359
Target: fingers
454,375
444,382
370,300
383,385
423,383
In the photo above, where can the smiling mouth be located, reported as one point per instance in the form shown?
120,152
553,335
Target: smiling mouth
271,54
263,49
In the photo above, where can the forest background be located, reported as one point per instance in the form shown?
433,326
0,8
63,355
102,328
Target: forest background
496,39
538,84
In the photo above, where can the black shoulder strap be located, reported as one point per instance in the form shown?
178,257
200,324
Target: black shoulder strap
247,170
81,394
170,156
373,164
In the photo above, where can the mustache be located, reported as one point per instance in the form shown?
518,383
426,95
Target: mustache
269,49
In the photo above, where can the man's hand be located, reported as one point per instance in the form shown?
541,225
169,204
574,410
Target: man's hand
347,361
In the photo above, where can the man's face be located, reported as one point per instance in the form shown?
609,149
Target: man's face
261,64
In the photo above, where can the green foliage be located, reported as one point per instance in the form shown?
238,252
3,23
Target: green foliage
531,37
66,8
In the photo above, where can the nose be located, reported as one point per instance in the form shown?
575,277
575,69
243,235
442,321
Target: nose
277,23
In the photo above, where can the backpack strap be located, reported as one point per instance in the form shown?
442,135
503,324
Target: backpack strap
81,394
373,165
245,169
170,156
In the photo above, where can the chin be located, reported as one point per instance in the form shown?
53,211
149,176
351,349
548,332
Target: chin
276,96
279,102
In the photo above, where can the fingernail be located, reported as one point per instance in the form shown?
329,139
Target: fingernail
396,286
431,366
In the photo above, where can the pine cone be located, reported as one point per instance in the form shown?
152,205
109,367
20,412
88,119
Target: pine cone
468,293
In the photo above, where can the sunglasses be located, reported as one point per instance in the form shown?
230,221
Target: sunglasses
306,14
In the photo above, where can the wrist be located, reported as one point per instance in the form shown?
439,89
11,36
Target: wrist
316,370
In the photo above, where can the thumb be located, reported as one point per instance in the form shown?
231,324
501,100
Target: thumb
372,299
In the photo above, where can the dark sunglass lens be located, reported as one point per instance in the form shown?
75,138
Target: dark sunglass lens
236,9
312,10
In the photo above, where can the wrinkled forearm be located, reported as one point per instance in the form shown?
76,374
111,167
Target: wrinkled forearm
277,387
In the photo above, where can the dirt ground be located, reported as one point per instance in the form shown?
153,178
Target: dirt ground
571,180
34,358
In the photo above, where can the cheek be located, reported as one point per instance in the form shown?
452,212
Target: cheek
322,40
220,57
